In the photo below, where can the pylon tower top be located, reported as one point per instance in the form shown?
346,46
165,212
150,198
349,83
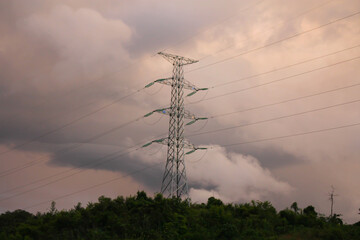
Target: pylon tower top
175,58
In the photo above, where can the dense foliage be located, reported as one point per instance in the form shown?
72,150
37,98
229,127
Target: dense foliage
142,217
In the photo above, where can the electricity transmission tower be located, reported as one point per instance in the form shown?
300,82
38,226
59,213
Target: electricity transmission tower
174,181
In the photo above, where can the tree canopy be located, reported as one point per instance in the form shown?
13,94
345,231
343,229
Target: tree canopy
143,217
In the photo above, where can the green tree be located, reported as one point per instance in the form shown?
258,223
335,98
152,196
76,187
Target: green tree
294,206
53,209
144,217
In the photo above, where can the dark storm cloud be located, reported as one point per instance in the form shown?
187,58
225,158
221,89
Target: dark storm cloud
109,158
33,99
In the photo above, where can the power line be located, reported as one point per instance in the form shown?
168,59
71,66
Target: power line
95,162
271,71
286,66
70,122
64,177
275,42
261,85
274,26
267,138
250,109
34,140
175,44
227,145
292,135
225,114
280,79
96,185
277,118
297,64
130,64
91,113
177,100
186,39
105,106
67,149
291,36
244,110
100,161
286,101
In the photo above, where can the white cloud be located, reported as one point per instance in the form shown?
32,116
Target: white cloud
233,177
230,176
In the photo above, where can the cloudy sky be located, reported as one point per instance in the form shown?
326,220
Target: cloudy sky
283,100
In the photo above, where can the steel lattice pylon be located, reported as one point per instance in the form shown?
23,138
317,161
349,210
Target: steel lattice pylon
174,181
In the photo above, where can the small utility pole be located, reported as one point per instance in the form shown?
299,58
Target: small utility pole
331,198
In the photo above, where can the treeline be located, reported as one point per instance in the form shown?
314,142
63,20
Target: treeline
143,217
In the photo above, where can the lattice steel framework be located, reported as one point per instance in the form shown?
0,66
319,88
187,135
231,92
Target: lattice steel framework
174,181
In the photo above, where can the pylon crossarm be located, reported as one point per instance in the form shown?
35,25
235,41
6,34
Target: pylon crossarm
195,120
160,110
166,81
167,111
195,148
161,140
196,90
186,85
